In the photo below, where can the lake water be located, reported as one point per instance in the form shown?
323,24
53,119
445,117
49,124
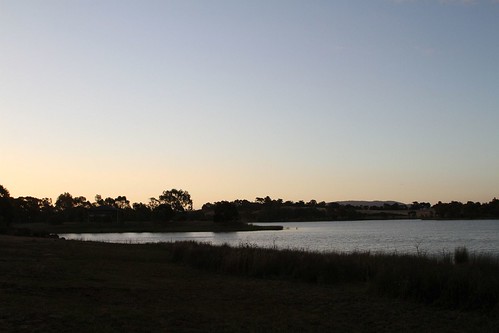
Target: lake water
402,236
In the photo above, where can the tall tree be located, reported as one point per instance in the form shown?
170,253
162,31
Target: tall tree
64,202
122,202
6,208
98,200
179,200
64,206
4,193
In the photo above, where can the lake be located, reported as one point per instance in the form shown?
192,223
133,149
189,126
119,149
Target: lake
402,236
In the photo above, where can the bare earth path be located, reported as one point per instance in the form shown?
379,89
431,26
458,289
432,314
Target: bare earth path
49,285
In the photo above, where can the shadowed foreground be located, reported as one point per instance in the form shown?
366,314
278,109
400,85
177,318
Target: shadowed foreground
54,285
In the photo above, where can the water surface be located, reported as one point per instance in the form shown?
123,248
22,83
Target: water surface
403,236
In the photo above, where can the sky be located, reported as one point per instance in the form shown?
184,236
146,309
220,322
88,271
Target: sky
299,100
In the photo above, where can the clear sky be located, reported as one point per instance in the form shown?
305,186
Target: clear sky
325,100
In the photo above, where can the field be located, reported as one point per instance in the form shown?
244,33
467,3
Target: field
52,285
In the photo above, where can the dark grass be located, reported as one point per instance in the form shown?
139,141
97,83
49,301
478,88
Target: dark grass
52,285
469,282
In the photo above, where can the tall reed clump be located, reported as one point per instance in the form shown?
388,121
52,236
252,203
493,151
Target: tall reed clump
461,255
471,283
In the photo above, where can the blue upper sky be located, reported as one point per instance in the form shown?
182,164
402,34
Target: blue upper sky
325,100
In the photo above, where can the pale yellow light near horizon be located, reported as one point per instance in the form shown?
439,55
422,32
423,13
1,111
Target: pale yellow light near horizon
139,181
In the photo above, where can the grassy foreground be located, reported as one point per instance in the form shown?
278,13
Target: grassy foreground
51,285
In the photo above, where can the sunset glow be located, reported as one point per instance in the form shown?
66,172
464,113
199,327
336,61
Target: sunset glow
341,100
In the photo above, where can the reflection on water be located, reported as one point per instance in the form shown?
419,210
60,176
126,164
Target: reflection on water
404,236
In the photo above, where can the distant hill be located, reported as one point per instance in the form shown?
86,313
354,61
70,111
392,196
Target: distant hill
376,203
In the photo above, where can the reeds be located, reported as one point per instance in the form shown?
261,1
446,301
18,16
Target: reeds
461,255
470,281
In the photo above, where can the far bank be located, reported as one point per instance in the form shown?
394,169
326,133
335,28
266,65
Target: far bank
173,226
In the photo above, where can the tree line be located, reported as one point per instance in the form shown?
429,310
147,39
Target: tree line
171,204
468,210
177,205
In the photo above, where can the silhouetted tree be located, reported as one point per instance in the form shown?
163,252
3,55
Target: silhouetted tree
493,208
63,206
259,200
6,208
225,212
178,200
153,203
28,209
4,193
98,200
121,202
64,202
79,212
471,209
489,209
163,212
312,203
109,202
141,212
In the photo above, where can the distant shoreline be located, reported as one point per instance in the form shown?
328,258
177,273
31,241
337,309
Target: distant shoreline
43,229
49,230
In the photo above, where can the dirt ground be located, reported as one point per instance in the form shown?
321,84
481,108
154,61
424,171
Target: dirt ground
51,285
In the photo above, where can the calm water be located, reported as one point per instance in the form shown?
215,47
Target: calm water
407,236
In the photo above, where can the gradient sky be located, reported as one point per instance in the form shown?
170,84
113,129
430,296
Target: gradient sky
326,100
